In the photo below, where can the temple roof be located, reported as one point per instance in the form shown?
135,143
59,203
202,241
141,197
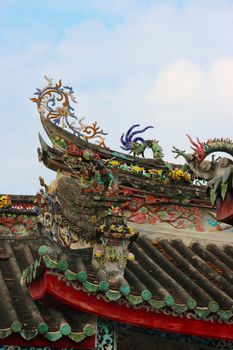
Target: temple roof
164,275
20,315
72,243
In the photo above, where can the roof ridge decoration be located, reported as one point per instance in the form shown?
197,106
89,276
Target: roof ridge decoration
70,150
17,217
205,169
203,149
217,172
137,145
102,227
111,253
54,102
5,202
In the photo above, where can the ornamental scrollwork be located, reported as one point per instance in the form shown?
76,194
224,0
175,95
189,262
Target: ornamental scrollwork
105,335
54,102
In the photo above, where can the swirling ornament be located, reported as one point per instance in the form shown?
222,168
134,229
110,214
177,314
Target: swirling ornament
92,132
54,102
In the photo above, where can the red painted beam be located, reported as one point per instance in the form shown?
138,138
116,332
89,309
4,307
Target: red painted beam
78,299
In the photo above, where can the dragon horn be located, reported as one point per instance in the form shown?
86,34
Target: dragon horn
201,144
192,142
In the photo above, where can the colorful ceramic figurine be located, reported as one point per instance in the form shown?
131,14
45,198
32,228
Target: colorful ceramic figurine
137,145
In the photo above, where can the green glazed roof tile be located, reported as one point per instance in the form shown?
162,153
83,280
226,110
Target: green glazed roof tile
77,337
134,299
88,330
126,290
157,304
103,286
202,311
179,308
113,295
53,336
5,332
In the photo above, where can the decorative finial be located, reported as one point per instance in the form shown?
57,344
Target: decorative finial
54,102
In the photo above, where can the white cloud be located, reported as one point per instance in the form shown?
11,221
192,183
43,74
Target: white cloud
185,82
220,78
179,82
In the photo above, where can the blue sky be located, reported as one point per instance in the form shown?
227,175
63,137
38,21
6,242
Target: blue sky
165,63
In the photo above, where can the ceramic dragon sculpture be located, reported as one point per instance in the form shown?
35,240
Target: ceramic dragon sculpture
208,170
137,145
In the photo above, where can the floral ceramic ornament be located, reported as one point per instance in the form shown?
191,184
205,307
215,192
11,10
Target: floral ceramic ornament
5,201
